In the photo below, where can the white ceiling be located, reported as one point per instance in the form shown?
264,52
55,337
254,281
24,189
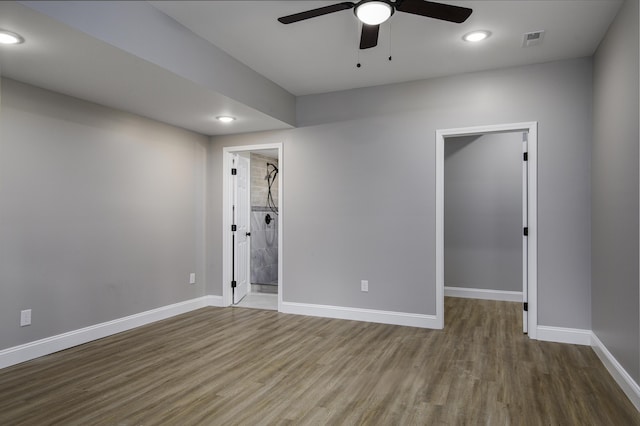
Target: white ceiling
320,55
313,56
62,59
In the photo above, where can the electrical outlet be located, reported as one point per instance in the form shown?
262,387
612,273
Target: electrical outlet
364,285
192,278
25,317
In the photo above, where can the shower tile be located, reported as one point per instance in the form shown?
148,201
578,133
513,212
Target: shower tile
261,275
258,256
272,274
255,221
258,238
264,244
271,256
271,239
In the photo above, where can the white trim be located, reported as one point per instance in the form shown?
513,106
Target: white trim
227,200
358,314
532,219
215,301
574,336
440,229
619,374
484,294
49,345
525,239
532,253
281,172
227,194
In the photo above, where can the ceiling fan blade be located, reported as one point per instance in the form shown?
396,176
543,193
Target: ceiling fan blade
445,12
289,19
369,36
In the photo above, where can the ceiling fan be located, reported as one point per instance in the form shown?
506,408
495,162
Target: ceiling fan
372,13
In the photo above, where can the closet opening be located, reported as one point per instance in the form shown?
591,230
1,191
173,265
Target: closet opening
486,224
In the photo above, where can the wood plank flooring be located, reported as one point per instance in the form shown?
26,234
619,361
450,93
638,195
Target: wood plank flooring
235,366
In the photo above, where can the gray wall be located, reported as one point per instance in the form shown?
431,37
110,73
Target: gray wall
483,211
101,213
615,191
359,187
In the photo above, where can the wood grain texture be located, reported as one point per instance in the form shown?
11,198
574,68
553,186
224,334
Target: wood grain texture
235,366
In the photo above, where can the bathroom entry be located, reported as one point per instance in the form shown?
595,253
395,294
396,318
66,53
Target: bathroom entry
264,222
252,221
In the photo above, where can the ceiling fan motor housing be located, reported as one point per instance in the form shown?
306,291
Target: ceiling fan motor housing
378,10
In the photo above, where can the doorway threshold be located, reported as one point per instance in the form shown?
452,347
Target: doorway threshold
265,301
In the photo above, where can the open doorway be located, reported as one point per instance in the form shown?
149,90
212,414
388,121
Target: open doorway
252,221
488,215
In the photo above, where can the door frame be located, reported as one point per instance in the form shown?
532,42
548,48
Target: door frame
532,241
246,156
227,202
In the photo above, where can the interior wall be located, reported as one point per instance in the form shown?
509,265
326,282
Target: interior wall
483,211
359,187
615,191
101,213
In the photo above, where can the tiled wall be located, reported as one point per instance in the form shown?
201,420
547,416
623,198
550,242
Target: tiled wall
264,247
259,188
264,237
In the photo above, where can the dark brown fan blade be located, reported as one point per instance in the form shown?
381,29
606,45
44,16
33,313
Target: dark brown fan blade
315,12
445,12
369,36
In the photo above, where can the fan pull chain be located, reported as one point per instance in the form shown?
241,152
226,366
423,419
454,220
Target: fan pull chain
358,65
390,42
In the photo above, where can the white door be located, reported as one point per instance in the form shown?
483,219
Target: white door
525,224
240,207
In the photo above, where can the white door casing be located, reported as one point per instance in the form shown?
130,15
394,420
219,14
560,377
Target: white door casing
525,225
531,128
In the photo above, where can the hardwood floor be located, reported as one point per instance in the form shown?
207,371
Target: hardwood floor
235,366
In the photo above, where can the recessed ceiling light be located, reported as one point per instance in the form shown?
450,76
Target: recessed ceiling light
374,12
225,118
476,36
7,37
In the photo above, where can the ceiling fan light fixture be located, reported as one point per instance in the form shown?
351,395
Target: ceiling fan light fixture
476,36
373,12
7,37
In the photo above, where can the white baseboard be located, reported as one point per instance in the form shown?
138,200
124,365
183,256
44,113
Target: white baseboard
38,348
214,301
480,293
49,345
619,374
358,314
574,336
